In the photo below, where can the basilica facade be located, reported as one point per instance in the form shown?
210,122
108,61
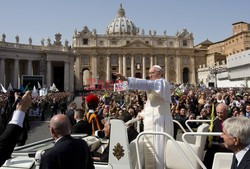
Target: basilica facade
93,58
130,51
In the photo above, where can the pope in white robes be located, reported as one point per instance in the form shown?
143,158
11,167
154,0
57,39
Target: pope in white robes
156,114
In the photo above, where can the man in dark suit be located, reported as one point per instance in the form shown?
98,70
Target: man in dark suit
9,137
68,152
81,125
216,144
236,135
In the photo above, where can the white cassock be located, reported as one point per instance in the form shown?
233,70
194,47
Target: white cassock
157,117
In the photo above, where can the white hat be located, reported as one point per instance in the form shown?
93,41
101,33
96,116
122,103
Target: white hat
158,67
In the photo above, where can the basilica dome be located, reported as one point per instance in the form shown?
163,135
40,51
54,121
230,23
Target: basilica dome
121,25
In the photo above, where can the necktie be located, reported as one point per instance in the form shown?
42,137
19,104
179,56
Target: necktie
235,162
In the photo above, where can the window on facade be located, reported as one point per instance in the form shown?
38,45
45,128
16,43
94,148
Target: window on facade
137,59
113,68
127,42
146,42
128,61
114,60
113,42
101,42
171,44
186,60
85,41
85,60
160,60
147,61
159,43
184,42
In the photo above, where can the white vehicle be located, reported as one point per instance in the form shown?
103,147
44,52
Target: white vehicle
122,155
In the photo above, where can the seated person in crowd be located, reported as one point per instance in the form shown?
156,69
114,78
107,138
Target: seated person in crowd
216,144
102,154
81,125
132,133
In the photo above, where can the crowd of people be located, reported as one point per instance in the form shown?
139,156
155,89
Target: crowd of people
98,107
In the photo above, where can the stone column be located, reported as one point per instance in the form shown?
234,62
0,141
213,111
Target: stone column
132,66
166,67
66,76
2,70
192,72
94,67
151,61
108,68
48,74
30,68
143,67
16,74
124,66
178,69
120,64
155,59
71,75
78,73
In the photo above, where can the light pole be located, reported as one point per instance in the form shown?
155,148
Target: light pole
214,71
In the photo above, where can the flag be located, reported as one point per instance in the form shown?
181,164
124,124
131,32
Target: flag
3,89
53,88
43,92
38,85
180,90
9,88
27,87
34,92
121,86
210,138
22,88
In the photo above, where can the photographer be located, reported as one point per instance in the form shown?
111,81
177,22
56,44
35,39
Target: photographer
9,137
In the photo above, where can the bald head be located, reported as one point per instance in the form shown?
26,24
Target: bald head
59,126
221,111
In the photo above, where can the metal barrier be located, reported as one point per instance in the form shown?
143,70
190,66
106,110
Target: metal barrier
198,134
189,128
166,135
179,124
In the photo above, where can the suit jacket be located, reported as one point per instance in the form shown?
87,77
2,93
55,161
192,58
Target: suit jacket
245,162
67,153
81,127
132,133
8,140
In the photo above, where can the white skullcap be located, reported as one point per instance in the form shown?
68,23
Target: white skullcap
158,67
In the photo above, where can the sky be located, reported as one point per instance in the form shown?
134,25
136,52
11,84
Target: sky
206,19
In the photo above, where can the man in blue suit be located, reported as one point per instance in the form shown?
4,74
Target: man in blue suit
236,135
67,152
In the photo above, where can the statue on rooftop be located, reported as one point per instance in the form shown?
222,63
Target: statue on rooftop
3,37
48,42
58,39
142,32
66,43
17,39
42,41
30,41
